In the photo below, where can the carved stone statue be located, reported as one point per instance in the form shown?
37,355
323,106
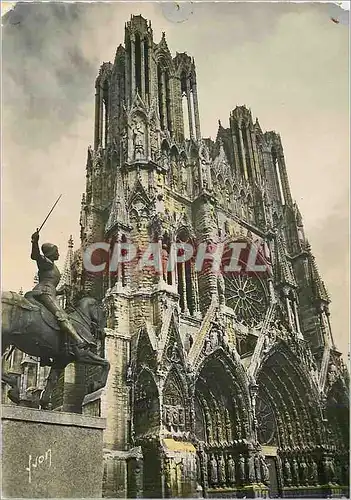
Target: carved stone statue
251,469
221,470
257,461
213,470
138,139
295,471
313,472
303,471
287,472
241,469
231,470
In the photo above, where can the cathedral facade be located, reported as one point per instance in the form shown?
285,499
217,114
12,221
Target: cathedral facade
222,384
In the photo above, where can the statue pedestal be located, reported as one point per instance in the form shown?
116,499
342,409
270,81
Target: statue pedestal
48,454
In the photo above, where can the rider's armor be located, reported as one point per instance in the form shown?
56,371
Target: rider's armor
45,290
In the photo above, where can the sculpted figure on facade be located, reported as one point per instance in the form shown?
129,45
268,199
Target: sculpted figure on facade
138,140
213,470
231,470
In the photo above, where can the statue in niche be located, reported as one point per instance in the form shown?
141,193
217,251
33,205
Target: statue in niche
153,143
287,472
138,139
313,472
213,470
164,259
221,470
124,144
241,469
204,170
183,176
257,463
214,338
295,471
303,471
231,470
208,347
174,174
251,469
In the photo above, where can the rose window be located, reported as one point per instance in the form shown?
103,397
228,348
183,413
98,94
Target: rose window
247,297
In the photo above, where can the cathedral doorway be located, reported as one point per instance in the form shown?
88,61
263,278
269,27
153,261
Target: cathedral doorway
222,426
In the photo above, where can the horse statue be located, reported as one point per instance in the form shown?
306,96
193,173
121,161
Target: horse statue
30,327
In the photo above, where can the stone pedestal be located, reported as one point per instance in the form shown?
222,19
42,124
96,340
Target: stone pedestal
48,454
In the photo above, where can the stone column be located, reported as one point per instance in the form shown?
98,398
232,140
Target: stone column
142,69
196,113
297,321
190,114
101,117
284,178
255,155
132,63
249,145
242,149
97,117
288,308
185,302
164,99
127,77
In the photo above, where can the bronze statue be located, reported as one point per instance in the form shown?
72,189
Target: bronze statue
45,290
38,326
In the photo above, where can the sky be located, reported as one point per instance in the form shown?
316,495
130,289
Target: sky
287,62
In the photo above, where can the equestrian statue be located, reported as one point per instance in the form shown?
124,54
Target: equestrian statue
37,325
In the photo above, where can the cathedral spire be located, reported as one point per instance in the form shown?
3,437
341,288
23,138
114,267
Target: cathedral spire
66,276
118,212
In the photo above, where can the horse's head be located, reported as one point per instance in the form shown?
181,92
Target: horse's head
95,311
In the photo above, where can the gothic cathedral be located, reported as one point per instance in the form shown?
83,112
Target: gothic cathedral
221,384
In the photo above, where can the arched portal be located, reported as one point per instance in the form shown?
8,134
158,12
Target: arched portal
288,427
223,426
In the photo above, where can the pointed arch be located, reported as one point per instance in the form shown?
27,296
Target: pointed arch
292,395
146,406
175,401
222,401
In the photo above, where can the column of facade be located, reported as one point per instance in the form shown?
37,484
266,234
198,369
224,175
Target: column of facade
297,321
284,178
142,69
255,155
242,150
97,117
236,154
127,77
251,156
132,64
185,302
164,98
173,256
327,314
288,308
195,290
196,113
101,116
149,75
190,115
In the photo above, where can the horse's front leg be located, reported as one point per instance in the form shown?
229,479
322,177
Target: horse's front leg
51,382
89,358
14,393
